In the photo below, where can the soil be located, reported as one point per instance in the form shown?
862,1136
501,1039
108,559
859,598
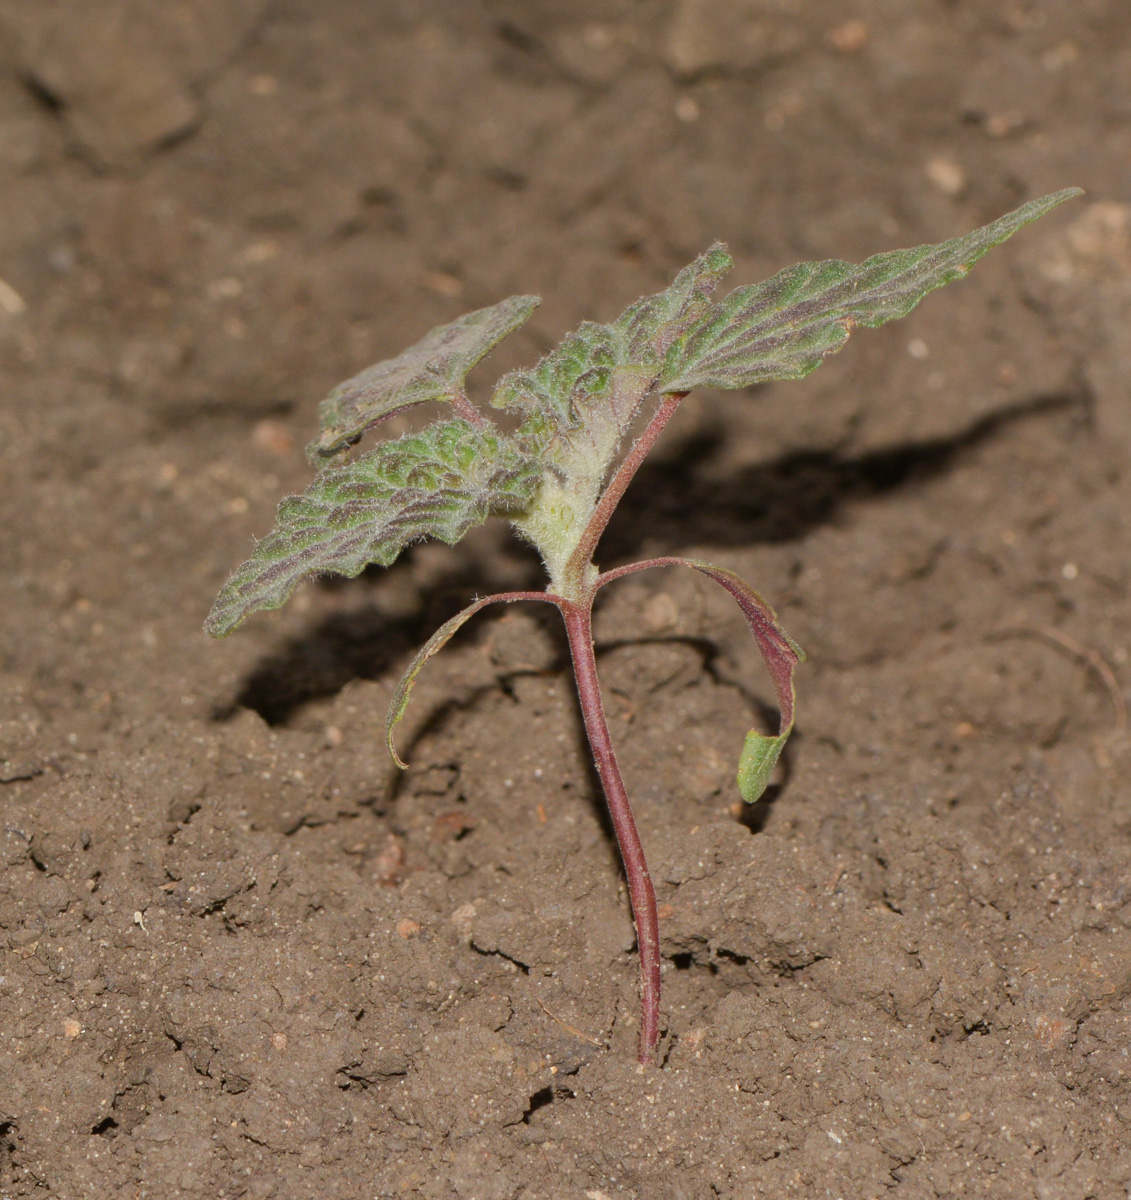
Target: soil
242,956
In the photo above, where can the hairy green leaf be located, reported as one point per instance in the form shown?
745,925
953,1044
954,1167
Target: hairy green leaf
760,754
579,401
650,326
784,327
434,369
436,483
593,383
579,366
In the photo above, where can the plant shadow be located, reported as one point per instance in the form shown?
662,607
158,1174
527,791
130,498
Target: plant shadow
362,643
676,500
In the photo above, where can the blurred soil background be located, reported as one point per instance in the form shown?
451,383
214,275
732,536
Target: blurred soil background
239,956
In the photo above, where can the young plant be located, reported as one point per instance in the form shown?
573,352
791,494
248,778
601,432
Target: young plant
557,478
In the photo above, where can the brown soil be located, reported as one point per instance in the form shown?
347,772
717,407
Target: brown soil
240,957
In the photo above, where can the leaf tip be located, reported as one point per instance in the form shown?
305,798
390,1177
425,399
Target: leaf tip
219,622
325,446
760,754
393,751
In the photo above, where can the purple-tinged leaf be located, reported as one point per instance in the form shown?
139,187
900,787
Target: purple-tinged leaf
434,369
650,326
779,651
784,327
582,396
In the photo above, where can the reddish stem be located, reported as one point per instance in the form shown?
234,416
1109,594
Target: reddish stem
464,408
576,605
618,485
642,895
646,564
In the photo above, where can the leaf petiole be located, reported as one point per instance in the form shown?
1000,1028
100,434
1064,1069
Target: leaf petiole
618,485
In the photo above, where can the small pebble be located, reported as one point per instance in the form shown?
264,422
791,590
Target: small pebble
10,300
388,866
687,110
272,436
661,612
442,284
999,125
946,175
850,37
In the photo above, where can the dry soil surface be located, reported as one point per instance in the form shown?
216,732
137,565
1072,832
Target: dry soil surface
239,955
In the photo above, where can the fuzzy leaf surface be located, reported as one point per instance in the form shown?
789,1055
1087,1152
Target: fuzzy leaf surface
760,754
436,483
434,369
783,328
593,382
650,326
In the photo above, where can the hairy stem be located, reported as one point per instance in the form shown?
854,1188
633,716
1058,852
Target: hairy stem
464,408
579,627
618,485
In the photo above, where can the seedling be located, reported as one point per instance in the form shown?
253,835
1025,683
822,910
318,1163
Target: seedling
556,477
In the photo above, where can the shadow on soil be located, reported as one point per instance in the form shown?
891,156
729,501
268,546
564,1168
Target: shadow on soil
672,500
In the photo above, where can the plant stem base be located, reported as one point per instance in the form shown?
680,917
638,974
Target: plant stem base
579,628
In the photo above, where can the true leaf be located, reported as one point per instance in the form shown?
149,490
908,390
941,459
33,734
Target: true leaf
586,392
580,364
436,483
434,369
651,325
784,327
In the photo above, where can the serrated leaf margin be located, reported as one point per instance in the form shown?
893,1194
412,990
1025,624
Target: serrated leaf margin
784,327
435,483
435,368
